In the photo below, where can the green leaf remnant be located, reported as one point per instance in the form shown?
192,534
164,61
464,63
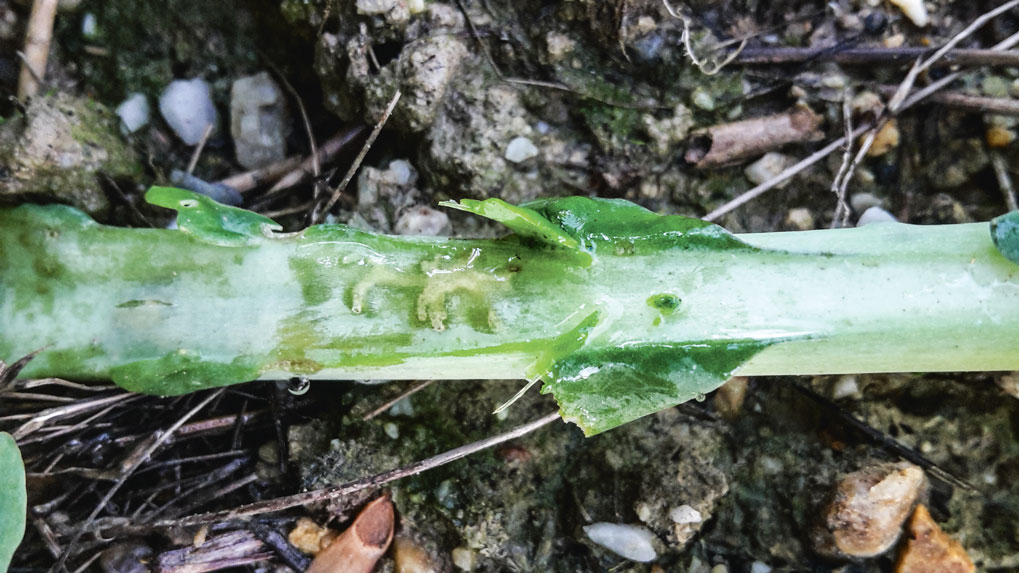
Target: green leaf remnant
13,499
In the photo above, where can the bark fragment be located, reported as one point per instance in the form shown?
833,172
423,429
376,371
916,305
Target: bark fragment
730,143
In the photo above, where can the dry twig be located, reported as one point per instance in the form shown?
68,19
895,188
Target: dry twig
1004,179
895,104
845,170
305,170
233,549
389,403
785,175
325,494
127,467
969,102
702,65
37,47
197,153
316,214
870,55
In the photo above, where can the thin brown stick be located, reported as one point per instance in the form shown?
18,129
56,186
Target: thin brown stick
1004,179
42,418
874,56
841,209
317,216
127,467
302,208
39,382
217,423
37,47
702,65
389,403
316,169
477,38
197,153
232,549
355,486
249,180
327,153
868,142
960,100
789,172
909,102
895,104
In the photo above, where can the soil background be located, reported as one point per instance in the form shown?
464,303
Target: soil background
597,98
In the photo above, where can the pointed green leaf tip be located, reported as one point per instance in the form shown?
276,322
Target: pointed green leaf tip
521,220
1005,233
600,389
13,499
212,222
585,224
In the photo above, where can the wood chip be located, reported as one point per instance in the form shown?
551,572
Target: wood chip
358,548
731,143
931,549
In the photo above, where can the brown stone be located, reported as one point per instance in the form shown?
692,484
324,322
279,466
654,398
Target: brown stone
729,397
931,549
870,506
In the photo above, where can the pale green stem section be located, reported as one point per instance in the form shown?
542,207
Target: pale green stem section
340,304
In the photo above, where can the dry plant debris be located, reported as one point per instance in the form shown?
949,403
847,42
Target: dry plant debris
930,549
730,143
360,546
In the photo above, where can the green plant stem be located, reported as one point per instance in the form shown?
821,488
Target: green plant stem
167,312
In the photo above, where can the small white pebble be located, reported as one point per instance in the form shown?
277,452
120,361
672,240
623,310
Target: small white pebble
416,6
402,171
685,514
767,167
845,387
403,407
391,430
860,202
187,107
89,25
372,7
915,10
759,567
875,215
464,559
770,464
134,112
422,221
702,99
629,541
800,219
520,149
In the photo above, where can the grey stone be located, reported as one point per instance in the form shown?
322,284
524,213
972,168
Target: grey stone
259,120
58,148
187,107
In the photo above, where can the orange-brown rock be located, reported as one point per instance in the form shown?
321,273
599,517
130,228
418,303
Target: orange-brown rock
930,549
310,537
